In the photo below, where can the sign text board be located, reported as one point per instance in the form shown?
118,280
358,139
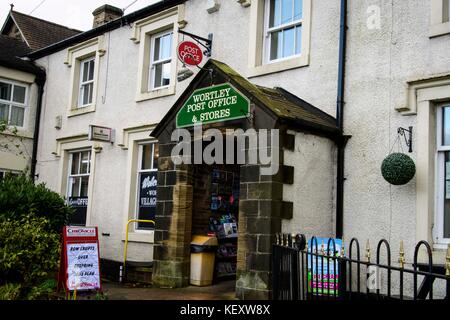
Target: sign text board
213,104
80,259
98,133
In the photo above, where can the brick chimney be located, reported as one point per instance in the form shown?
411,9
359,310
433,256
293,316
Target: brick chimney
105,14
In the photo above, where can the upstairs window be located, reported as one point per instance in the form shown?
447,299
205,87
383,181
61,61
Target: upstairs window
440,18
446,11
12,103
283,29
86,82
160,60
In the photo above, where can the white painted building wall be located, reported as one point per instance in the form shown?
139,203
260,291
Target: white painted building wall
380,62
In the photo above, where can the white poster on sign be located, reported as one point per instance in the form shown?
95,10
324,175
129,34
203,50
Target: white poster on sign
83,266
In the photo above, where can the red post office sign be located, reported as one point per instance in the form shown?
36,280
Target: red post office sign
80,259
190,53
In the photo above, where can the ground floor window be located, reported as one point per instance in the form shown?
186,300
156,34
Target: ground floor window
78,183
147,184
4,172
442,219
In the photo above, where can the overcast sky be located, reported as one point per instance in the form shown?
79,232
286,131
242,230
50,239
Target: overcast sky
75,14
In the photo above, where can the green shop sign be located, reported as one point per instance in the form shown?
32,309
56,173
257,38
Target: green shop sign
213,104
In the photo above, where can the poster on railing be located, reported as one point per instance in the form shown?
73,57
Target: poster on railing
323,272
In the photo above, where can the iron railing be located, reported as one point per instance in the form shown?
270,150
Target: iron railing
321,271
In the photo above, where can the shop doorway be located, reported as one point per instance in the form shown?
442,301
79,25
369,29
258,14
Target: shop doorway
216,213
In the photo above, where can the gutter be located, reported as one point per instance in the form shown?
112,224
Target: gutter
340,179
40,81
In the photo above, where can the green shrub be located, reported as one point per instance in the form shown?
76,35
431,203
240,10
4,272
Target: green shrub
43,290
29,253
10,291
19,196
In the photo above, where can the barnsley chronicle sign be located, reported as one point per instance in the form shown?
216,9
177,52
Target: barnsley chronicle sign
213,104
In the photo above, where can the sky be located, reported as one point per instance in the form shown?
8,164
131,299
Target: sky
75,14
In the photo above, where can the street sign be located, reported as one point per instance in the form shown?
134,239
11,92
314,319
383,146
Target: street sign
98,133
213,104
80,259
190,53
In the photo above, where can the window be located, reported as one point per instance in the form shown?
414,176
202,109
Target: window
279,36
12,103
147,183
4,173
283,24
86,82
157,64
442,221
440,18
78,182
160,60
446,11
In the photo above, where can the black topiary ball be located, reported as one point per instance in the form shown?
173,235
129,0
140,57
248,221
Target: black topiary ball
398,169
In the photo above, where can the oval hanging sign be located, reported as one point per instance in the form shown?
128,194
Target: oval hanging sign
190,53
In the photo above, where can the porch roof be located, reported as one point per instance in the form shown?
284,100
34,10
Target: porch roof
289,109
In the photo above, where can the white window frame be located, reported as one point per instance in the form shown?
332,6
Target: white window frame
4,172
269,31
78,175
138,179
85,83
93,48
440,18
438,228
446,11
142,33
153,63
12,103
257,53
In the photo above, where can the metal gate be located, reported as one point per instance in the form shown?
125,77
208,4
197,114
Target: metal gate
321,271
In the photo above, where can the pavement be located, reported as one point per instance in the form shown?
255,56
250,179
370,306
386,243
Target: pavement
222,291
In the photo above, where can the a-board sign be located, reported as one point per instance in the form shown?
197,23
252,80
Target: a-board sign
190,53
80,259
323,275
213,104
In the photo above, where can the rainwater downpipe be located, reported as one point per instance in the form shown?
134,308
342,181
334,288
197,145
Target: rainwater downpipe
340,122
40,81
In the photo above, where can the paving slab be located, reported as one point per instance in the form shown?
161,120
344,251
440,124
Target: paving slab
221,291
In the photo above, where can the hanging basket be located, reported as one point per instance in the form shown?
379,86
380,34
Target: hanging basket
398,169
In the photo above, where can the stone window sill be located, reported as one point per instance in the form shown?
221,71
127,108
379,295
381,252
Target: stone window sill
288,64
438,252
142,96
143,237
79,111
440,29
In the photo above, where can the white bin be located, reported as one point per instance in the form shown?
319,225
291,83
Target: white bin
203,253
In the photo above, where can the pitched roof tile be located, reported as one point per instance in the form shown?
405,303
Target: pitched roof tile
40,33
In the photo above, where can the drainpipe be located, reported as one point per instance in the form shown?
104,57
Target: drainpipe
340,122
40,81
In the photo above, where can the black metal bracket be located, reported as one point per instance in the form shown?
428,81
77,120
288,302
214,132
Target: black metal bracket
408,140
205,43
